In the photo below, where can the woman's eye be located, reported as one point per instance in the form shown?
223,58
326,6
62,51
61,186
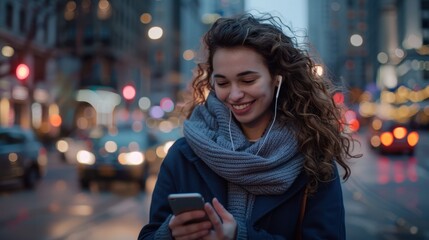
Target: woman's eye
249,81
220,84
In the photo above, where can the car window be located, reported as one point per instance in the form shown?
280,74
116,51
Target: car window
4,138
11,138
123,139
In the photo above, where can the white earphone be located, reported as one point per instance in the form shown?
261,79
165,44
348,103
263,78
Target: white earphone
280,78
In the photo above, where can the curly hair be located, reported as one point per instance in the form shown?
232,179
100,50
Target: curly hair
305,100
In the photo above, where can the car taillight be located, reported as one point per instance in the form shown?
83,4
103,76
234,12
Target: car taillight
413,139
399,132
354,125
386,138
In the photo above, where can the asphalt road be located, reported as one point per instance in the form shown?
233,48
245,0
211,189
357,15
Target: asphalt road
385,198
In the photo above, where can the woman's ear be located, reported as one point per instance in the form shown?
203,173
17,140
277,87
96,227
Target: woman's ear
279,84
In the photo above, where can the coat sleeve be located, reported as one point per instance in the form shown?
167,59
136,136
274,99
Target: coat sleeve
324,213
160,212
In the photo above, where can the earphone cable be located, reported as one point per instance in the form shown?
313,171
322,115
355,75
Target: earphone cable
269,130
266,135
229,127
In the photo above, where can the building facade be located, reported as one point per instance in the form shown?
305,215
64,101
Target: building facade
83,53
377,50
28,36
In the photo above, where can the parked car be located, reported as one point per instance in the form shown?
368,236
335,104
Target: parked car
163,141
22,156
389,136
69,146
115,156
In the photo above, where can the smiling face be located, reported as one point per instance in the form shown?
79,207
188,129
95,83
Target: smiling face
243,83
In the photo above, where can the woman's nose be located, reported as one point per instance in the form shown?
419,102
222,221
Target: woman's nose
236,93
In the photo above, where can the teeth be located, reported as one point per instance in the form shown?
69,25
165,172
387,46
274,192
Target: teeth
242,106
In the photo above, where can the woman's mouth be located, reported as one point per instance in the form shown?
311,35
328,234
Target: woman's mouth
240,109
241,106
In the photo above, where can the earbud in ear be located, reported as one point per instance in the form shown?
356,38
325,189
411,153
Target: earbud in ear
280,79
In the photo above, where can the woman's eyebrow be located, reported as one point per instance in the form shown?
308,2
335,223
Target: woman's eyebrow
238,75
218,76
245,73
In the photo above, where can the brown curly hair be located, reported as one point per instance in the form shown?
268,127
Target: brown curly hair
305,100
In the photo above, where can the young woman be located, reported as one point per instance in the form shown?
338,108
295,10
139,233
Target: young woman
266,134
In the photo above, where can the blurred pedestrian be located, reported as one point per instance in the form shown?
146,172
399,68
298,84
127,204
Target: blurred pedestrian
262,142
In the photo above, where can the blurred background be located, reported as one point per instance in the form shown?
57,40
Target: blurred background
91,93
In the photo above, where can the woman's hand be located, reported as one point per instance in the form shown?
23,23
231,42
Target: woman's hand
181,229
224,224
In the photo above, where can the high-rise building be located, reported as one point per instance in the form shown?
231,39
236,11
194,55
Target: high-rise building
28,37
379,48
342,34
102,48
82,54
152,45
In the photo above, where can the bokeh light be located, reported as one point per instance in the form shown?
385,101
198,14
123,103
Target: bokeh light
155,33
144,103
167,104
156,112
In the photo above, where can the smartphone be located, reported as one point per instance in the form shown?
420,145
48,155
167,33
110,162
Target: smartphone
183,202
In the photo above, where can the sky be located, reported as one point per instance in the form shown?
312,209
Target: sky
292,12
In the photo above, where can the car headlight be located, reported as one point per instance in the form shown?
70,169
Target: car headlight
62,146
131,158
85,157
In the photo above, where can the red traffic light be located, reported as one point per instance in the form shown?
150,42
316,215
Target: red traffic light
129,92
22,71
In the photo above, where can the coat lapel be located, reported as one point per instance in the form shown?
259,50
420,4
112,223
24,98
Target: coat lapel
266,203
217,185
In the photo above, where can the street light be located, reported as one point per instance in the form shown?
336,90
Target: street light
155,33
356,40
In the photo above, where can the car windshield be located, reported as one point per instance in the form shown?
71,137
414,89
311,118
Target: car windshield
11,138
123,138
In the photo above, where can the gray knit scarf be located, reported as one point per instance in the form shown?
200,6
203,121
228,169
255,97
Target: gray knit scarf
272,171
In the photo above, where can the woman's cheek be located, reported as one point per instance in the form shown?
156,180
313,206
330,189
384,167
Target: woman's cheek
221,94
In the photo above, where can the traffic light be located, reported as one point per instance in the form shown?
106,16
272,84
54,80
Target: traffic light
22,71
129,92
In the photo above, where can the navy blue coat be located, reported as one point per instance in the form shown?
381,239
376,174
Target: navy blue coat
273,217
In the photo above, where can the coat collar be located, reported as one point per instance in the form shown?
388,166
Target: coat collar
217,185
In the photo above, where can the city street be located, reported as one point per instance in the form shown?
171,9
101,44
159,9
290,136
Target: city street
59,209
386,198
100,90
